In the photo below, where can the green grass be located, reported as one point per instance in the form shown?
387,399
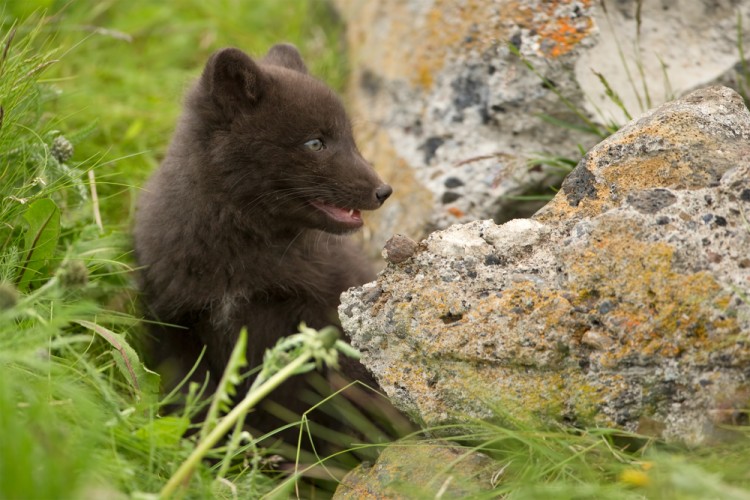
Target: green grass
126,63
89,92
603,463
80,414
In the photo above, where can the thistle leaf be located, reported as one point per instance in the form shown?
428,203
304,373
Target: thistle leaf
43,219
165,431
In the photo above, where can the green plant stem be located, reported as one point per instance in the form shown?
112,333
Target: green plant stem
232,446
253,398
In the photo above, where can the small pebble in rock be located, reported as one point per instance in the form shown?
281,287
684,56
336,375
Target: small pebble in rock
399,248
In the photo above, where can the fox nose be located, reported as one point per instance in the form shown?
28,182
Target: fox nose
383,192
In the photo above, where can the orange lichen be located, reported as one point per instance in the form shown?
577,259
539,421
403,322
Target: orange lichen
525,395
451,28
416,46
456,212
564,34
653,154
558,32
654,311
659,311
424,74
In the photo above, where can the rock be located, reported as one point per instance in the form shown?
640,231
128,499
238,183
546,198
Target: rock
623,302
420,470
451,117
398,249
677,45
688,144
448,114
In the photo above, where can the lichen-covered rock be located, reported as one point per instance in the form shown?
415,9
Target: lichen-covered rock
420,470
451,117
448,114
625,302
689,144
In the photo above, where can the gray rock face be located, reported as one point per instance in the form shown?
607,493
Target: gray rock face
427,469
449,114
623,302
683,45
451,117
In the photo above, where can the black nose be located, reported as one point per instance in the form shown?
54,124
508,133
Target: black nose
383,192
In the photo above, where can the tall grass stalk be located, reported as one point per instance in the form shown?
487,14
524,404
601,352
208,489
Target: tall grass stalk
308,349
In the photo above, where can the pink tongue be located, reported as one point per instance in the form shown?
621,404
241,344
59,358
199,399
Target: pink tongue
338,213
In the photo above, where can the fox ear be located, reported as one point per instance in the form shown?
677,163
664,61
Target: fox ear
287,56
233,79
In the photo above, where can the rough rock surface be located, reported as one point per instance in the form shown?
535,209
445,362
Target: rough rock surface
420,470
450,116
623,302
678,45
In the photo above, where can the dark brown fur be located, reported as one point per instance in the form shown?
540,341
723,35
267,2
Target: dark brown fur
225,231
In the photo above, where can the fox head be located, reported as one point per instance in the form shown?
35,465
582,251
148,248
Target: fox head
279,143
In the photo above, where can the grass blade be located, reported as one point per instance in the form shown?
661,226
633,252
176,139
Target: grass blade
144,382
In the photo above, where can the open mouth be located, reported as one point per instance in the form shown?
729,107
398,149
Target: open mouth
348,216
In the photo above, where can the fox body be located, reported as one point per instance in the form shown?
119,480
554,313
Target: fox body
244,223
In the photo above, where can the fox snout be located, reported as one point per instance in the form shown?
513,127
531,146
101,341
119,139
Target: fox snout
382,193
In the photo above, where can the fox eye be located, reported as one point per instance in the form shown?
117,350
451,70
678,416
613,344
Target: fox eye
315,145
